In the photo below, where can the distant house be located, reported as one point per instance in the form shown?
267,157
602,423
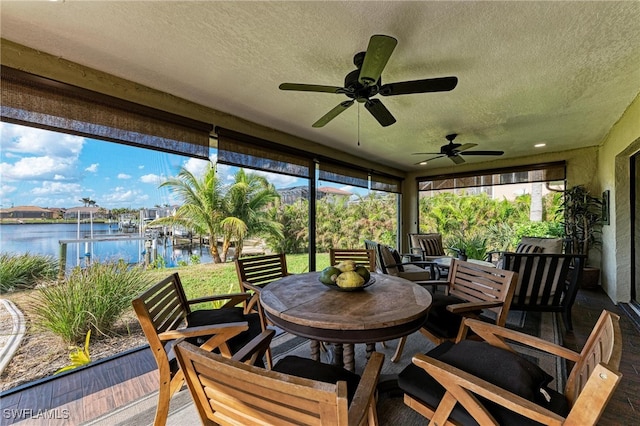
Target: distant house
293,194
85,213
26,212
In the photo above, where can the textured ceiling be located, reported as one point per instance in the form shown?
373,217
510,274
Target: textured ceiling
560,73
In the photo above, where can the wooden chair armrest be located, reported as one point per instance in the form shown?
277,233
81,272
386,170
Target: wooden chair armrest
462,385
459,308
495,335
247,285
365,393
234,299
255,349
203,330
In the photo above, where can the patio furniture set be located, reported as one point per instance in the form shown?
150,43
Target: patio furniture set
223,355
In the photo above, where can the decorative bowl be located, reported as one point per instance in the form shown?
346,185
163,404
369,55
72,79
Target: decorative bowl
362,287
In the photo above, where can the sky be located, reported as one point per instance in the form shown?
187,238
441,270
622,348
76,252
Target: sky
49,169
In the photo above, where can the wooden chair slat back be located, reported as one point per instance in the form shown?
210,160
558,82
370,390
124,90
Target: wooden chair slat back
261,270
604,345
479,283
160,308
364,257
229,392
543,278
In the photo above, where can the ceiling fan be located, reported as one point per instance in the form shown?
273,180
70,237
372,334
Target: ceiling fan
455,151
364,82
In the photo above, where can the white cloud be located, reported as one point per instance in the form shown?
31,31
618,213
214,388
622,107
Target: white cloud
6,190
40,154
196,166
121,196
123,176
33,141
92,168
278,180
36,168
151,178
141,166
59,177
57,188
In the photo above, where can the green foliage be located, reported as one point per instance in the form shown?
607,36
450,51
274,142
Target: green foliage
582,214
158,263
78,356
195,259
91,298
478,223
21,271
473,246
340,222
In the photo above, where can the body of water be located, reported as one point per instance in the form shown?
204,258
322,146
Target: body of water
45,239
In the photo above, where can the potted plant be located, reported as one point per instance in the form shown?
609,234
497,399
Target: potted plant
582,219
582,222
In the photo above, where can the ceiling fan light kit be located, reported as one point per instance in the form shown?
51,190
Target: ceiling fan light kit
454,151
365,82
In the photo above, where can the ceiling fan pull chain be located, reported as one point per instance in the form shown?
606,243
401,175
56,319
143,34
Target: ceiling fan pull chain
358,123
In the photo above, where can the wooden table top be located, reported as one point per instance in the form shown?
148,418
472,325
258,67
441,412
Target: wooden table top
390,308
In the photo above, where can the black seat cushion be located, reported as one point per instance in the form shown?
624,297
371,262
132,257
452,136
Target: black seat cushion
315,370
223,316
440,321
503,368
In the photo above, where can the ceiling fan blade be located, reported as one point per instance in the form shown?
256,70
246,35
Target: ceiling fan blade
332,114
428,160
442,84
310,88
379,112
378,52
457,159
483,153
466,146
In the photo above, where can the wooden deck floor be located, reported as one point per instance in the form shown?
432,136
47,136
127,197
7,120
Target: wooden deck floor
92,392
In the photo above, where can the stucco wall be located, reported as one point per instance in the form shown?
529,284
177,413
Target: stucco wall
621,143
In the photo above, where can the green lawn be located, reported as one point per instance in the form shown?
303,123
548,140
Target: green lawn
210,278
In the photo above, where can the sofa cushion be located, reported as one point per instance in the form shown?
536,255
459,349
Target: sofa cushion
549,245
414,273
390,256
528,248
431,245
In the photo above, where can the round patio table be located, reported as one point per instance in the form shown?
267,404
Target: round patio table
390,308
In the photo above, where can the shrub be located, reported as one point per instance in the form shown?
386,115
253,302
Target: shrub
21,271
93,297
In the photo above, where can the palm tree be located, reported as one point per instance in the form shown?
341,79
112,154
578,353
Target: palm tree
201,208
245,204
85,201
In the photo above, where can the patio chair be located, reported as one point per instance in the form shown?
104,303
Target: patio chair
365,257
471,290
297,391
389,262
547,282
529,245
254,272
165,315
426,246
489,383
